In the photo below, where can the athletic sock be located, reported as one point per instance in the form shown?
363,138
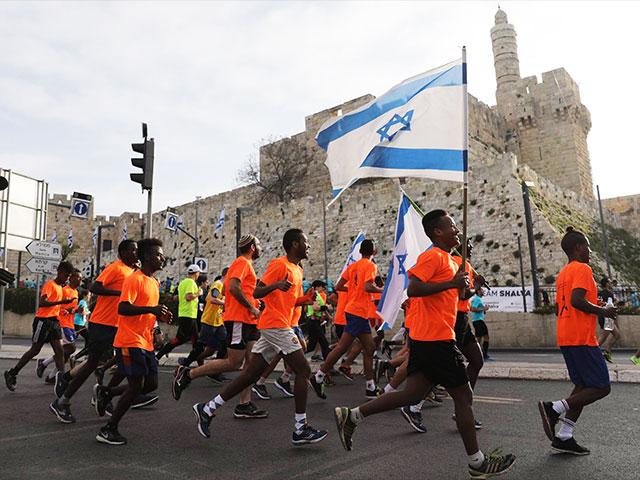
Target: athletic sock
301,421
261,381
566,429
48,361
285,377
355,416
560,406
371,385
320,376
476,459
214,404
388,388
417,408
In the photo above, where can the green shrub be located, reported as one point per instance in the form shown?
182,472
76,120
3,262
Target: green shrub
20,300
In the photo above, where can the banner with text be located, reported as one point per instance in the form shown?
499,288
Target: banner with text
508,299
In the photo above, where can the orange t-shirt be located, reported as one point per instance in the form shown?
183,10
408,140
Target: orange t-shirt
234,311
67,311
137,331
54,293
465,305
372,309
357,275
295,319
339,318
279,306
576,327
432,318
112,277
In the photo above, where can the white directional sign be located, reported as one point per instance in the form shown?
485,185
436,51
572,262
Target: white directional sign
203,263
80,208
171,221
42,265
48,250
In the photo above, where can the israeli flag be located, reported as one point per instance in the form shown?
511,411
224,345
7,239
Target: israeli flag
410,242
124,231
354,253
54,237
94,237
70,238
220,223
416,129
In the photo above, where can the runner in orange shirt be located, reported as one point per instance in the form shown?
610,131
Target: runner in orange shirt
281,288
46,327
240,318
361,277
138,310
434,285
577,309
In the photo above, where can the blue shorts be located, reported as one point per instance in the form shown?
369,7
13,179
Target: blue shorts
211,336
68,336
136,362
586,366
356,325
298,331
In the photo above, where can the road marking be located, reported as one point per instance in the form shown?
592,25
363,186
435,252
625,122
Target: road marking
476,397
66,431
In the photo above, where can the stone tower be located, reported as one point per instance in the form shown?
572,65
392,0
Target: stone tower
546,123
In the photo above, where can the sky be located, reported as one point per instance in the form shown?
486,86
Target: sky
213,79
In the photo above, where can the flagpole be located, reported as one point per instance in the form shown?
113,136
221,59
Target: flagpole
465,147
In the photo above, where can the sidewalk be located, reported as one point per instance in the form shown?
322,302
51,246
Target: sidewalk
502,368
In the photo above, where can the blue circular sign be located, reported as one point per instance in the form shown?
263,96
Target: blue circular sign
202,264
80,208
171,221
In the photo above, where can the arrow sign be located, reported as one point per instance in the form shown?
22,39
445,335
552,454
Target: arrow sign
42,265
171,221
48,250
202,263
79,208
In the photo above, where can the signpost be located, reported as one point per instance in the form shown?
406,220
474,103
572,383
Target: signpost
203,263
48,250
42,265
171,221
46,257
79,208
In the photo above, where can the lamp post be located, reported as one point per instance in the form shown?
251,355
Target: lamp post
99,245
530,241
197,235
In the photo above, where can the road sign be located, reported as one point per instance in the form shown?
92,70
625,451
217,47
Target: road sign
171,221
80,208
203,263
48,250
42,265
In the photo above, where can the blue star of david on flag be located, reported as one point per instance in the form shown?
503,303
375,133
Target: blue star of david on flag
401,268
397,123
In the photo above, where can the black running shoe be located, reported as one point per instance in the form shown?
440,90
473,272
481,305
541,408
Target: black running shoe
110,436
62,412
375,393
568,446
203,419
60,384
181,381
101,398
494,464
549,418
307,435
10,380
108,410
261,391
346,372
144,400
414,419
346,427
249,410
284,387
317,387
40,368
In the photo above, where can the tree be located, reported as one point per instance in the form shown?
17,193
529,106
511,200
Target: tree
280,169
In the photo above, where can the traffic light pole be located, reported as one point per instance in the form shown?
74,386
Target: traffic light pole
149,213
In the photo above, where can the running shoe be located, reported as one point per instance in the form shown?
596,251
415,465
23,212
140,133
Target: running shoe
108,410
60,384
607,356
109,434
10,380
635,360
568,446
494,464
317,387
181,381
261,391
203,419
346,372
476,423
249,410
62,412
307,435
40,368
316,358
99,373
346,427
101,399
414,419
375,393
284,387
549,418
144,400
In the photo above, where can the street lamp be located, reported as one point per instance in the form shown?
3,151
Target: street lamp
530,241
99,245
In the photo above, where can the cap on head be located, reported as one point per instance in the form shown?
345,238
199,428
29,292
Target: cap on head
193,268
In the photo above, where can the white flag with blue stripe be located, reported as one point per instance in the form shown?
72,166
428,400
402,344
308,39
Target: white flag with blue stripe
94,237
220,223
54,237
410,242
70,238
416,129
124,231
354,253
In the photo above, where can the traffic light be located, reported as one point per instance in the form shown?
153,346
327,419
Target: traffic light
6,277
145,179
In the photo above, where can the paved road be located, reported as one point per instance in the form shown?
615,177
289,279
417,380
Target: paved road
164,443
